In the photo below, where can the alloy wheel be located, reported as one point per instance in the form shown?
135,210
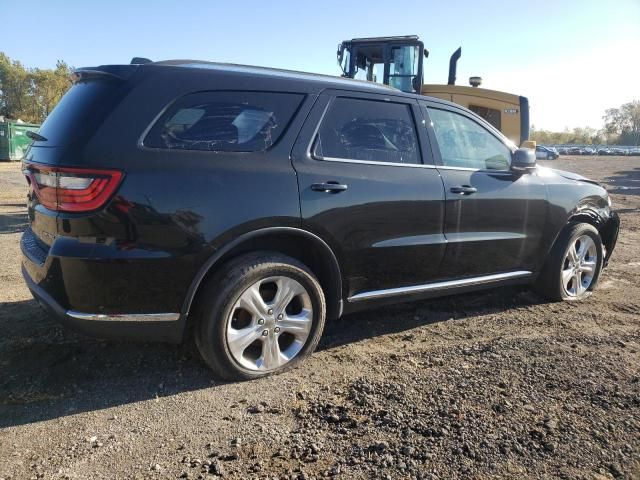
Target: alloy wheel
579,266
269,324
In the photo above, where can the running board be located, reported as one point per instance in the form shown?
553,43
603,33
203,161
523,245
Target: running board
429,287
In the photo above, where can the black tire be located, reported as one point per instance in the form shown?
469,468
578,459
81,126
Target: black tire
219,295
549,282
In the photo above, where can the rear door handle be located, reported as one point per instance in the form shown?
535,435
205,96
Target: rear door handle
329,187
464,189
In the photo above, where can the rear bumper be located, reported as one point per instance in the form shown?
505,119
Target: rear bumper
161,327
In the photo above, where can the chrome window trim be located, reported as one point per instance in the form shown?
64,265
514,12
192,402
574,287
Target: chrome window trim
410,165
369,162
126,317
469,169
486,279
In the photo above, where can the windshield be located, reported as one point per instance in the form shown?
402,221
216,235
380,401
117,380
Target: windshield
364,71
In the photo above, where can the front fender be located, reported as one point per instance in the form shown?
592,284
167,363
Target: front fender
573,198
609,235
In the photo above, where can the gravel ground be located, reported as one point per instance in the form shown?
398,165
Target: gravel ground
498,384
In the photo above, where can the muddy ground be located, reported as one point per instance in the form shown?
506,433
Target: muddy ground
499,384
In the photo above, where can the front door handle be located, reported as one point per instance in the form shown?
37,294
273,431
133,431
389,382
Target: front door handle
329,187
464,190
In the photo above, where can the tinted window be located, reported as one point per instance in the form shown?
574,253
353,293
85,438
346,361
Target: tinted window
368,130
80,111
224,121
464,143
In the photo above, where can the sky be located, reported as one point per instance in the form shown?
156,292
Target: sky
573,59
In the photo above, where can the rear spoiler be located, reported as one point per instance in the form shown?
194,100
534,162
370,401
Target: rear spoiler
113,72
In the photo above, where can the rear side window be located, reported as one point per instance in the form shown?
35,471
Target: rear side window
224,121
81,110
355,129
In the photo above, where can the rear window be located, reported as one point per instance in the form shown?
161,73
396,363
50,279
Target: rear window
80,111
224,121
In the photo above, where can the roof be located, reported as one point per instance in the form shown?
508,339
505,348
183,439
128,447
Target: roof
335,81
403,38
318,81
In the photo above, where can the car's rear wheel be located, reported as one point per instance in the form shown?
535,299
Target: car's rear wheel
573,267
262,314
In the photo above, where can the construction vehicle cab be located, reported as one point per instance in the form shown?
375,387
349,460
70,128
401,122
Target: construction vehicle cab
394,61
398,62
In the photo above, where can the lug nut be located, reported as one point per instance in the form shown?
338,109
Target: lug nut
265,333
270,312
261,321
276,330
280,317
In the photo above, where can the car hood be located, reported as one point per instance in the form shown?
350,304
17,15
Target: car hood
573,176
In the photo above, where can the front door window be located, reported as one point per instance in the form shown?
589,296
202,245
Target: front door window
465,144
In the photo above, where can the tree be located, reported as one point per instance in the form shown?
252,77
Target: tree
14,87
31,94
622,127
624,122
49,86
579,135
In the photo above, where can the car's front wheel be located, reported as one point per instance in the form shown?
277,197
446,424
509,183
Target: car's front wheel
261,314
573,267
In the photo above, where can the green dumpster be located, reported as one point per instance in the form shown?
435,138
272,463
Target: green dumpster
13,139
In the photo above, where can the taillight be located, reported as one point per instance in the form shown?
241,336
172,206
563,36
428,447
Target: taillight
72,189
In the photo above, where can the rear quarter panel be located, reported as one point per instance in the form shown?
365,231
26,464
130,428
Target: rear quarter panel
174,209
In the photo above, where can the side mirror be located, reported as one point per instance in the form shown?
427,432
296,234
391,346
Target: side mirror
415,83
524,160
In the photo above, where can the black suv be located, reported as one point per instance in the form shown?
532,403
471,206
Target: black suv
246,205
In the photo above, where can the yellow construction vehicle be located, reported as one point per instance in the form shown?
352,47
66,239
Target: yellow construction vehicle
398,62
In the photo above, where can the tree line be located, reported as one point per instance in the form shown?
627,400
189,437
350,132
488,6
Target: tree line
621,127
30,94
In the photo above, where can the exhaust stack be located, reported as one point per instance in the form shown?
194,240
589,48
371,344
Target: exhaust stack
453,65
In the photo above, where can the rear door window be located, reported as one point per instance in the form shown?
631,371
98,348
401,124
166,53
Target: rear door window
368,130
224,121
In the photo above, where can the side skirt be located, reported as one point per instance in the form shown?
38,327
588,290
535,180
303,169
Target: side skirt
439,286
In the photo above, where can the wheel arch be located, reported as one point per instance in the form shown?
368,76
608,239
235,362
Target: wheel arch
294,242
607,227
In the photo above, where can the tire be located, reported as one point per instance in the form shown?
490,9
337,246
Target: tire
230,314
559,280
